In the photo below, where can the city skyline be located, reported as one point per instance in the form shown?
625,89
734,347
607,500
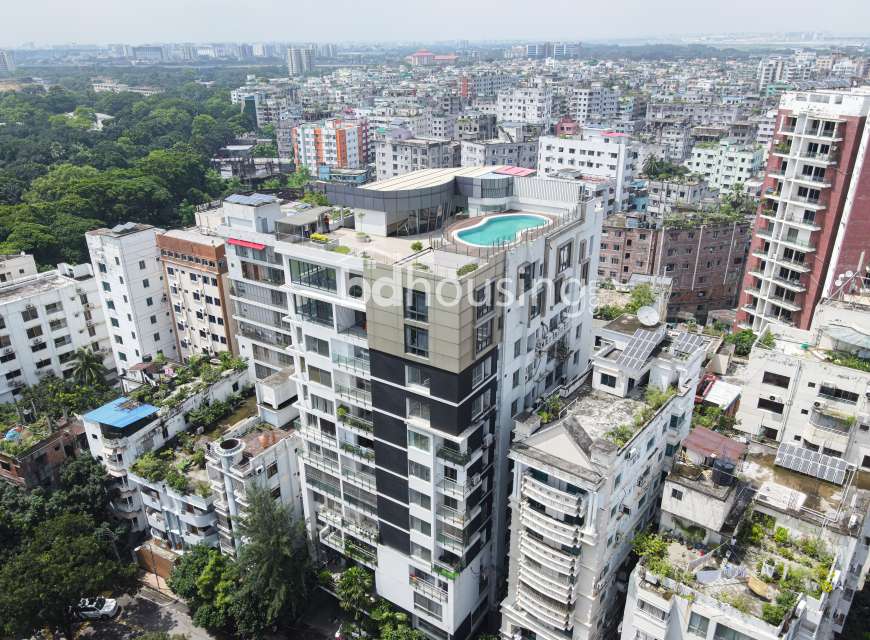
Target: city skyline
47,22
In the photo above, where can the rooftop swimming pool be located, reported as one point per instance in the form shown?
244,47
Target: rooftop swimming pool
502,229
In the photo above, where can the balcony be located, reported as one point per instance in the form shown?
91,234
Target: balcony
361,478
427,588
546,555
354,394
356,423
558,589
792,285
813,181
560,532
832,420
546,611
356,330
325,487
330,516
352,364
799,221
320,462
364,454
789,305
321,437
457,489
455,517
452,542
569,503
361,554
370,534
454,456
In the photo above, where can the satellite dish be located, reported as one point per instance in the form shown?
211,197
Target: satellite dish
648,316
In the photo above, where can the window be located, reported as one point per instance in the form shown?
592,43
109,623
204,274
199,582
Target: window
727,633
416,307
30,313
838,394
418,441
651,610
420,499
316,345
776,379
420,552
312,275
518,348
771,405
418,408
34,332
698,625
676,494
417,341
319,376
480,404
146,283
483,336
515,382
419,471
564,257
608,380
417,376
484,300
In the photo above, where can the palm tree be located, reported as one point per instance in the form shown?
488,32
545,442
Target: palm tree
88,369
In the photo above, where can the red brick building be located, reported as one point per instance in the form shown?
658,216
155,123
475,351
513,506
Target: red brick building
814,219
38,465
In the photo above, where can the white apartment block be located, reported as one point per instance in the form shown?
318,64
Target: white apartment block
398,403
725,163
531,104
595,153
399,154
195,272
120,432
586,483
443,125
808,390
499,152
782,550
334,143
129,273
593,104
252,453
44,319
16,266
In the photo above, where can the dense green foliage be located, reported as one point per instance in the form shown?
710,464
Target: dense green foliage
742,341
268,585
148,163
641,296
56,548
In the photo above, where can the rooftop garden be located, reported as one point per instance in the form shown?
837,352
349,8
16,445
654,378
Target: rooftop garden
174,466
659,169
846,359
19,439
780,567
187,380
653,400
641,296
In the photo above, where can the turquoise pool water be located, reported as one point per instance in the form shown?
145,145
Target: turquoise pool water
499,229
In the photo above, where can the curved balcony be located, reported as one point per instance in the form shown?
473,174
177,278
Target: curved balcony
554,615
203,519
558,590
546,555
551,528
568,503
208,538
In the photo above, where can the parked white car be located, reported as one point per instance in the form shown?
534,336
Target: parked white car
96,608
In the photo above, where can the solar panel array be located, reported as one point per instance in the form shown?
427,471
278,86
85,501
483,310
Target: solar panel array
812,463
687,342
642,344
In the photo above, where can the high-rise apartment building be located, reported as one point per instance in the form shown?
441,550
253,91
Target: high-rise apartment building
594,103
400,153
402,408
725,163
594,153
336,143
7,63
127,267
45,319
195,272
586,483
475,153
811,225
531,104
299,60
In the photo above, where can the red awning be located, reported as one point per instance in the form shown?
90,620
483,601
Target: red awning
245,243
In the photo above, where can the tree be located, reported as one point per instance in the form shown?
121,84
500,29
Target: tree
300,178
742,341
354,592
88,368
316,198
274,564
62,563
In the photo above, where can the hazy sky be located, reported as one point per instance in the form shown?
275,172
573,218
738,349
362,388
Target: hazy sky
138,21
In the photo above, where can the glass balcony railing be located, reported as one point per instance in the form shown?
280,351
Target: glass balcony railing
455,456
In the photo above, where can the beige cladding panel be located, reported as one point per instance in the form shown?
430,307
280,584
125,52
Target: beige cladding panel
450,326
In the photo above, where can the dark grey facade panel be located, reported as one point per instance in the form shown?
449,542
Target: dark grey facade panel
392,486
391,458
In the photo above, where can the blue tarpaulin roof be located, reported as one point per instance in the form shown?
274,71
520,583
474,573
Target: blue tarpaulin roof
121,412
